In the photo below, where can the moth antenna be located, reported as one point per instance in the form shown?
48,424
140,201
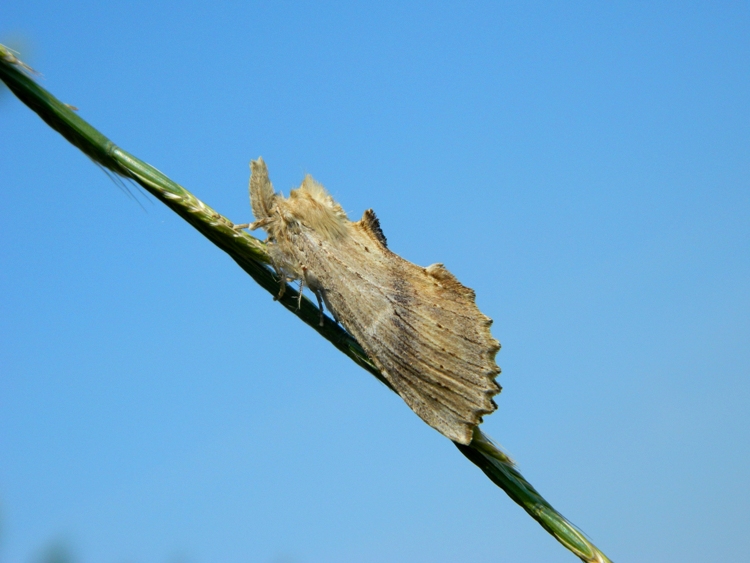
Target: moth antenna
261,190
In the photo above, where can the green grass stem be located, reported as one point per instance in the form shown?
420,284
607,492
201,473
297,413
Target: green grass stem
250,254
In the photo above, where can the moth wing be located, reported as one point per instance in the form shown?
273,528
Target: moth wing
420,326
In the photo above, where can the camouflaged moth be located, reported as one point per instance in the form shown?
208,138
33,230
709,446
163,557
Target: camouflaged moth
419,326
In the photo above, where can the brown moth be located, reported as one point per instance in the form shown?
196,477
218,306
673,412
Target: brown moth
419,326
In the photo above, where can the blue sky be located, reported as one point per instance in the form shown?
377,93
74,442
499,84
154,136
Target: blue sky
584,167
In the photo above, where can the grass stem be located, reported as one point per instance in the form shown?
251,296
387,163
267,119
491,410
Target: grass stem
250,254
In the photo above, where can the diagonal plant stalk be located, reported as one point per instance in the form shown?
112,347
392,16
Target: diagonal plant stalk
250,254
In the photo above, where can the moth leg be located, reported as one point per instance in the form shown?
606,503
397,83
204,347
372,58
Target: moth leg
299,295
320,307
312,282
253,226
282,286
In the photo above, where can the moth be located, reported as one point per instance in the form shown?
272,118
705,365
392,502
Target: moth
419,326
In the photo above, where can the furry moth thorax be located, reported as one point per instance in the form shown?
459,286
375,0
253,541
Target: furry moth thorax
309,205
420,326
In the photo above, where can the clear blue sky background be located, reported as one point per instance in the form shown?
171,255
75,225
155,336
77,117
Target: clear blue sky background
585,167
